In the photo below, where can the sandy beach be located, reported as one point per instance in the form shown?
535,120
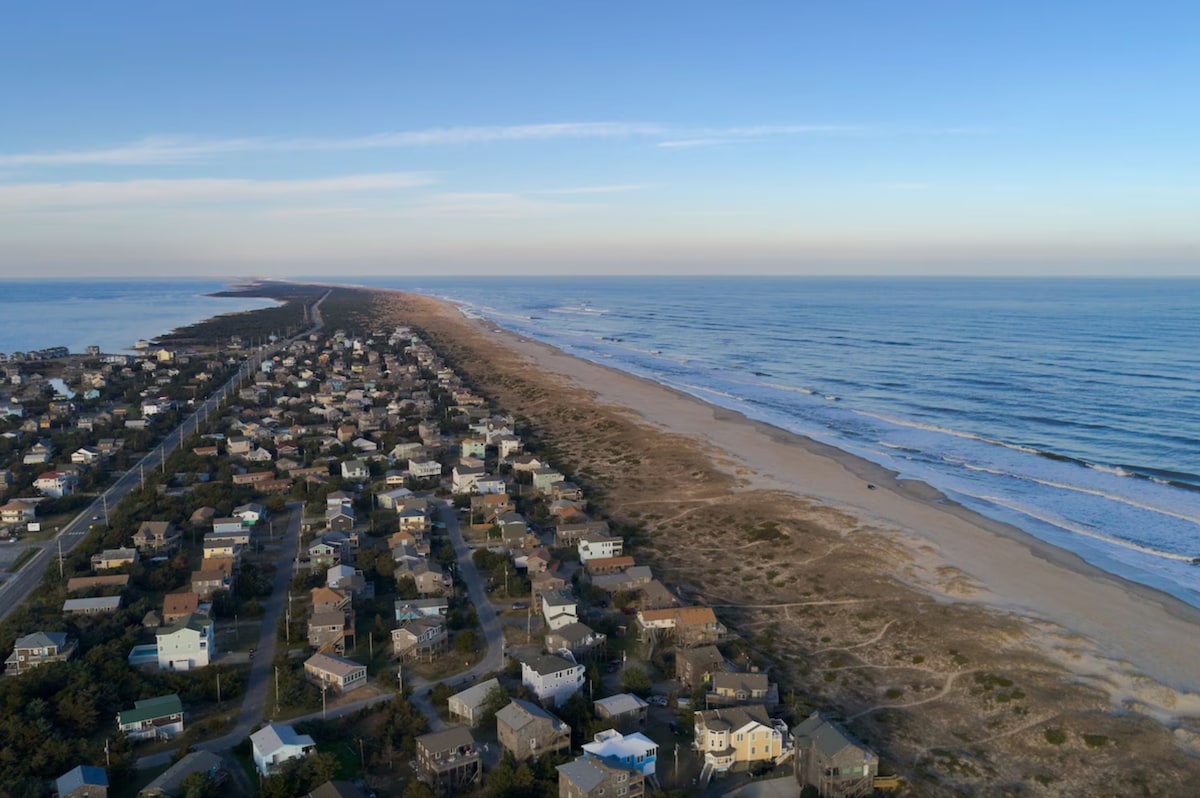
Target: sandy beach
928,627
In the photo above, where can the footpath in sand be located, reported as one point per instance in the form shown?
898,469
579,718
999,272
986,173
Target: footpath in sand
972,656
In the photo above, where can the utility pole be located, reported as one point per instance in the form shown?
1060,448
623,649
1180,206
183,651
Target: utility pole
324,687
276,714
107,758
400,678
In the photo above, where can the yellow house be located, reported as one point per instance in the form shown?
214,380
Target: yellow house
737,736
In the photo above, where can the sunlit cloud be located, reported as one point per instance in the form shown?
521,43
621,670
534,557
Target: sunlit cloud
31,196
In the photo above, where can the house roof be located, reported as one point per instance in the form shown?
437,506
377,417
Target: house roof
573,632
80,776
337,789
583,773
733,718
154,528
151,708
95,603
328,618
695,616
621,703
447,740
547,664
475,696
193,622
749,682
559,598
180,603
338,666
826,736
702,655
613,743
195,762
519,714
327,595
274,736
42,640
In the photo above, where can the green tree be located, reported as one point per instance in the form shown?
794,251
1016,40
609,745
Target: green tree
634,679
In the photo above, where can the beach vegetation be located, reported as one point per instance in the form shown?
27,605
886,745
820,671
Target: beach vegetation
1095,740
1055,736
893,693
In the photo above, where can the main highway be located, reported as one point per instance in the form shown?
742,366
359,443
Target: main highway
17,587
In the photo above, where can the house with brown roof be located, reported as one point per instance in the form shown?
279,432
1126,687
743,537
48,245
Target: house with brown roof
686,626
179,605
78,583
336,673
207,581
157,537
693,665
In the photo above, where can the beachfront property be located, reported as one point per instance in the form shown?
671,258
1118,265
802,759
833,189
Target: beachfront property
832,761
737,736
185,644
527,731
39,648
553,679
727,688
596,546
686,626
152,718
276,743
593,777
467,706
448,761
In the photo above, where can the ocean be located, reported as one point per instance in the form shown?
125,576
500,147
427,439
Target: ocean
1067,408
111,314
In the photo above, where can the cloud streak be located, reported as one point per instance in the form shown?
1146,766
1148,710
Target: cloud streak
155,151
94,194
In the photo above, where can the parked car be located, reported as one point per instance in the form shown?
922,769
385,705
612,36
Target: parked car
657,700
520,605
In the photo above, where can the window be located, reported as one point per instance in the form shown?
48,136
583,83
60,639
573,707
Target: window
740,737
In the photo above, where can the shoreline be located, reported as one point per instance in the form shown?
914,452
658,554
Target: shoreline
1136,631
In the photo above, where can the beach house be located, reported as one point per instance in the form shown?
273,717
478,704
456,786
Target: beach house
276,743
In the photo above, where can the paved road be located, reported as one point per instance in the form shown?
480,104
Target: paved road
260,680
15,589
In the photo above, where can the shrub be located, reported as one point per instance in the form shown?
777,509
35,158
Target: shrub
1056,736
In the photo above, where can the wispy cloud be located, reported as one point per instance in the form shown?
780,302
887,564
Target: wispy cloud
161,150
94,194
494,205
613,189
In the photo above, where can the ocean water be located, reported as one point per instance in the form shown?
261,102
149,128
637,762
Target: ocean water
1065,407
112,314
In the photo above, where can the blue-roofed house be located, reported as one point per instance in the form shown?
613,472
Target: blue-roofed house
84,781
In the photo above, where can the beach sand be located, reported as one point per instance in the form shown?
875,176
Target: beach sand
959,646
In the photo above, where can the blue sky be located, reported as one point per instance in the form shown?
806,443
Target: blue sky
296,139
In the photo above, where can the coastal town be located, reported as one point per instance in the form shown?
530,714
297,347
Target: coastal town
357,576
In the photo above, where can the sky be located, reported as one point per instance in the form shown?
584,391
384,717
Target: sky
836,138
